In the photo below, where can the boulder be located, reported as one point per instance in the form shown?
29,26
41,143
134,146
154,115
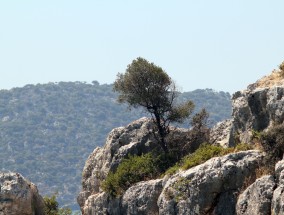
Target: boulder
19,196
142,198
221,134
277,207
210,188
256,199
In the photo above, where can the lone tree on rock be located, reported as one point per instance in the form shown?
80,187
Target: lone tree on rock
146,85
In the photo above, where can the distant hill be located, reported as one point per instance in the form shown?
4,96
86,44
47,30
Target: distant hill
47,131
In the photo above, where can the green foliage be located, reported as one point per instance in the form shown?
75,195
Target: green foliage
52,207
140,168
47,127
204,153
130,171
243,147
148,86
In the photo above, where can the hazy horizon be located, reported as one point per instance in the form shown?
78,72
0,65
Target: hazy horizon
219,45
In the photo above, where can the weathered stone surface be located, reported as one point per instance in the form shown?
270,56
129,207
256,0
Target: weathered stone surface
142,198
221,134
101,204
256,199
257,110
277,207
210,188
19,196
133,139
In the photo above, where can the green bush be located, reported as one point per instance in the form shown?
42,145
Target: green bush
150,166
52,207
130,171
204,153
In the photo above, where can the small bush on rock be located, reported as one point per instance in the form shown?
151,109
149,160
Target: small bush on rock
204,153
130,171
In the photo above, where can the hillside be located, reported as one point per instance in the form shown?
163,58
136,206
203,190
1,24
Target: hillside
47,131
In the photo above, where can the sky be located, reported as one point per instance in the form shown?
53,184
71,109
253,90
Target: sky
223,45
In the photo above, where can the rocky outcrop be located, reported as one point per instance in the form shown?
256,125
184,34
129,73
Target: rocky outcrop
256,199
257,108
207,188
277,207
210,188
133,139
19,196
136,138
221,133
222,185
264,196
142,198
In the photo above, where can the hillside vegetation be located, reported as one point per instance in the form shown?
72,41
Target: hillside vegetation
47,131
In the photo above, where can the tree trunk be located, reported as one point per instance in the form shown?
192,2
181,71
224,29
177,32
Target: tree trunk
162,132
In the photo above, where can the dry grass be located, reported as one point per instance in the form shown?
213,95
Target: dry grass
259,172
276,78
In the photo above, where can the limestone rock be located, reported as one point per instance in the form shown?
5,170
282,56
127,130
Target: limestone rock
134,139
220,134
277,207
19,196
101,204
142,198
254,109
210,188
257,110
256,199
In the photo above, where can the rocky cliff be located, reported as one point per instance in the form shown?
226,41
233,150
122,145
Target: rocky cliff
19,196
256,108
232,184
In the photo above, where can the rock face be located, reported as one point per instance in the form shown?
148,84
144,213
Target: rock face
277,207
210,188
134,139
264,196
207,188
142,198
121,142
255,109
221,186
256,199
19,196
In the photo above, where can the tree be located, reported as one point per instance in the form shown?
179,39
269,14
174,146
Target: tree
146,85
52,207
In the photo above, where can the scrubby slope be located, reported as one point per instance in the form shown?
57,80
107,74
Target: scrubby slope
47,131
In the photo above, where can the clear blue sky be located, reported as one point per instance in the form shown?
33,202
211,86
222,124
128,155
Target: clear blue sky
221,44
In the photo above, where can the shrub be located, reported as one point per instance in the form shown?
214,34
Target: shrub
204,153
149,166
130,171
52,207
